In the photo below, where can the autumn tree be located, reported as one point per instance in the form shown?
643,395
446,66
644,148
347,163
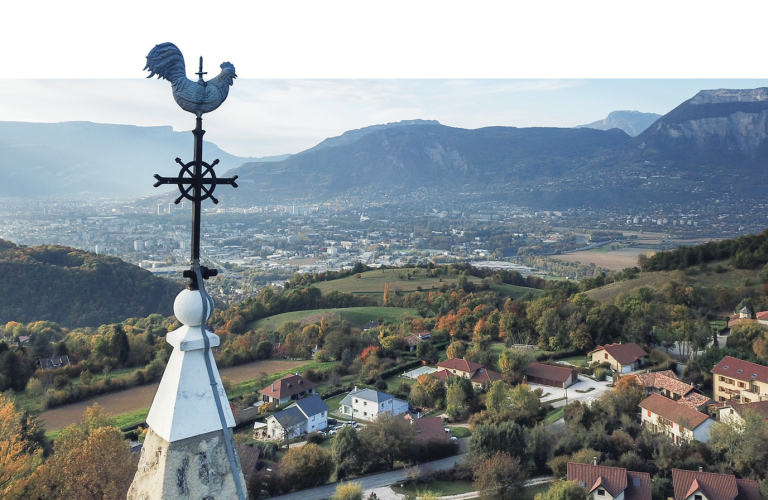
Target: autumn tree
456,350
563,490
386,294
18,456
513,363
499,477
90,461
386,440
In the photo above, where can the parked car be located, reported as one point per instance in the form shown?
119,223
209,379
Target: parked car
454,439
332,422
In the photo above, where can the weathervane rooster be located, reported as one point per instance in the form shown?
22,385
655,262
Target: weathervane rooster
165,61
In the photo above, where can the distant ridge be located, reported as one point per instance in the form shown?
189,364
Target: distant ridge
71,158
631,122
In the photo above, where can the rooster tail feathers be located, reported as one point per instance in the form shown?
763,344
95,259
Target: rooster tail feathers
165,61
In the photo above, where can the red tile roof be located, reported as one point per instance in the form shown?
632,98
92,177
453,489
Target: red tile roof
649,379
635,492
430,429
741,370
412,340
288,386
660,380
625,354
713,486
695,400
635,485
550,372
485,375
762,315
442,374
674,411
459,364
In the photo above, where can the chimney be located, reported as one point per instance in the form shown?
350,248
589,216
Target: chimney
701,469
594,460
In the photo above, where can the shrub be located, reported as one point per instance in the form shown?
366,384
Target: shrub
314,438
600,374
380,385
348,491
61,381
86,377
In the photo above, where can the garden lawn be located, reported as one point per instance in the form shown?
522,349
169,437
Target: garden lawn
529,492
554,415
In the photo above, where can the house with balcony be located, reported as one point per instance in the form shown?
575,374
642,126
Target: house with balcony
287,389
668,385
739,381
367,404
610,483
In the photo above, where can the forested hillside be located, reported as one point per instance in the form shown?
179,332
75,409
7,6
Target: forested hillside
76,288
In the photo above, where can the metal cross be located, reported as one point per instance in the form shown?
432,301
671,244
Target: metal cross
196,182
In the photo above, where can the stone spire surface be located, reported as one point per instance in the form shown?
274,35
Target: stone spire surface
185,455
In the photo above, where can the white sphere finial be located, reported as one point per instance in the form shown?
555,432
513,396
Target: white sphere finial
188,307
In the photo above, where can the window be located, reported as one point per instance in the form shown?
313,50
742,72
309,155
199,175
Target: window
649,413
356,401
746,400
671,425
741,384
365,413
722,379
697,497
313,417
382,405
636,482
606,355
600,492
365,403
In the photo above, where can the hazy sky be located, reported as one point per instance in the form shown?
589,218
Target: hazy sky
309,70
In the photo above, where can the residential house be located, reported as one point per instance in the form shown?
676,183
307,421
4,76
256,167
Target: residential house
304,416
286,389
610,483
739,380
668,385
698,485
367,404
430,429
681,422
476,373
734,412
54,362
623,358
551,375
744,314
412,340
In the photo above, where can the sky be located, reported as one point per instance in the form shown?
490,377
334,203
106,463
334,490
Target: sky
310,70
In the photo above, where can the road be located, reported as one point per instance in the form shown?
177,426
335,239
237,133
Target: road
369,482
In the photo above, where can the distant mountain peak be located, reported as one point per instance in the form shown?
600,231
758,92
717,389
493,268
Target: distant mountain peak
722,96
352,135
631,122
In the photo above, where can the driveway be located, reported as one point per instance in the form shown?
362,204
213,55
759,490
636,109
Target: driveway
583,384
369,482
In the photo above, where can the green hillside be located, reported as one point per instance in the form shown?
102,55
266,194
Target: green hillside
76,288
372,283
356,316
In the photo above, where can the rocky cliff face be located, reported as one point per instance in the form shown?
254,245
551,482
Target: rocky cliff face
713,126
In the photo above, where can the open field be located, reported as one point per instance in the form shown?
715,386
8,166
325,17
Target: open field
615,260
140,398
372,283
356,316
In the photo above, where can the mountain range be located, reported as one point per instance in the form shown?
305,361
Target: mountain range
631,122
71,158
712,146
